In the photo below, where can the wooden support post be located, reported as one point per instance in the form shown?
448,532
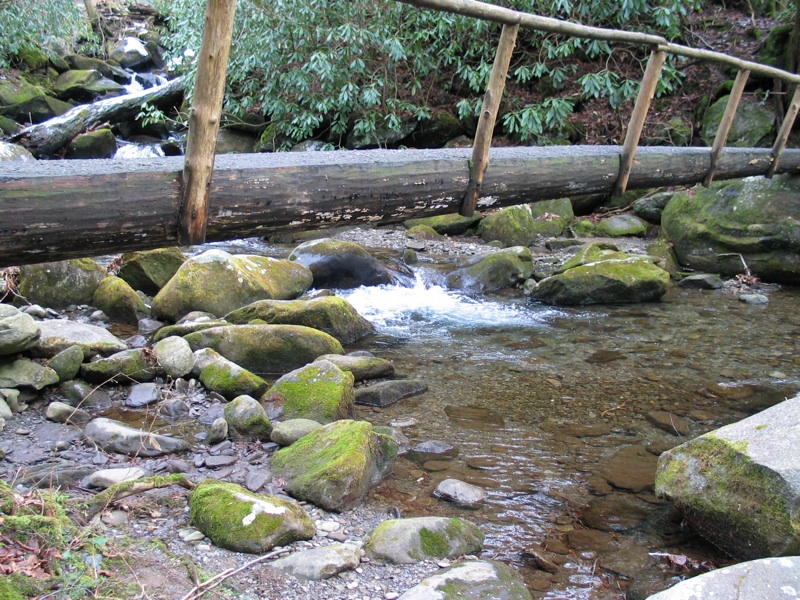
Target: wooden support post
491,104
646,92
726,122
204,118
783,134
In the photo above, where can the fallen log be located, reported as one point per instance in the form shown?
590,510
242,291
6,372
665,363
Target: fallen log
52,210
45,139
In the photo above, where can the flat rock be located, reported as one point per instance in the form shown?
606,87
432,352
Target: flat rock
60,412
59,334
143,394
471,580
613,513
112,436
26,373
386,393
105,478
632,468
18,331
320,563
460,493
407,541
669,422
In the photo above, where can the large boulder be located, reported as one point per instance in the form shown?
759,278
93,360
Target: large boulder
60,284
739,485
334,466
512,226
406,541
266,349
471,580
361,365
753,126
175,356
633,279
450,224
340,264
331,314
230,380
239,520
118,301
57,335
137,364
319,391
756,218
551,217
100,143
9,152
621,226
218,282
150,270
26,373
499,270
113,436
18,331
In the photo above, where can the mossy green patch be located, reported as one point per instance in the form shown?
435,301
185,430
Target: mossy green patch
319,391
434,544
230,380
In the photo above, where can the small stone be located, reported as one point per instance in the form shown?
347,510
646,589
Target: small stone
22,431
403,423
218,431
460,493
755,299
143,394
60,412
193,536
215,462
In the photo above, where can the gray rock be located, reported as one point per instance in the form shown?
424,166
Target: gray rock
130,52
175,356
150,270
59,284
669,422
247,418
80,393
340,264
112,436
11,398
18,331
738,485
61,412
701,281
143,394
767,578
218,431
54,476
105,478
460,493
752,127
650,207
407,541
129,365
499,270
620,226
362,367
26,373
60,334
5,410
10,152
432,450
174,408
471,580
385,393
67,363
288,432
320,563
755,299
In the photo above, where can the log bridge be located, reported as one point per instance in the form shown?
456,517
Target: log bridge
52,210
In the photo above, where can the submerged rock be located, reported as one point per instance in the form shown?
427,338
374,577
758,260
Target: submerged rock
239,520
738,485
472,580
339,264
407,541
460,493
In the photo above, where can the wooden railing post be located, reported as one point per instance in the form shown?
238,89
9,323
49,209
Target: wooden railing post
783,134
204,118
646,92
491,104
726,123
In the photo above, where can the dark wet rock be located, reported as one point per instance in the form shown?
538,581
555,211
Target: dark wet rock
632,468
738,485
26,373
128,365
756,218
84,85
701,281
385,393
288,432
219,461
150,270
53,475
218,283
59,284
648,582
432,450
83,394
172,409
669,422
143,394
60,334
130,52
592,540
61,412
765,578
651,206
621,226
112,436
605,356
362,367
474,417
335,465
320,563
118,300
541,558
18,331
100,143
331,314
175,356
407,541
247,419
499,270
340,264
266,348
756,299
614,513
239,520
67,363
472,580
460,493
149,326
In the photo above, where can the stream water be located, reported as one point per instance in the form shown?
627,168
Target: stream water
545,404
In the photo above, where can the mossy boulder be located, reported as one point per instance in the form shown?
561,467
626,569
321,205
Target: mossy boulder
472,580
242,521
56,335
331,314
753,126
14,90
231,380
9,152
186,326
36,110
407,541
286,433
340,264
423,232
362,366
319,391
150,270
247,419
739,486
26,373
756,218
621,226
266,348
450,224
174,355
18,330
664,257
499,270
650,207
136,364
60,284
593,252
218,283
634,279
334,466
118,301
100,143
551,217
512,226
67,363
84,85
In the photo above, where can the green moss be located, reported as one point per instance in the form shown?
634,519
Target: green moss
231,380
584,228
319,391
433,544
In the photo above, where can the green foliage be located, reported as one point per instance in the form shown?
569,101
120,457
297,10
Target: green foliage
27,25
320,68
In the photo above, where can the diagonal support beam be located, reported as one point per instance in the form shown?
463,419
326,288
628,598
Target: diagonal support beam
783,134
726,123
